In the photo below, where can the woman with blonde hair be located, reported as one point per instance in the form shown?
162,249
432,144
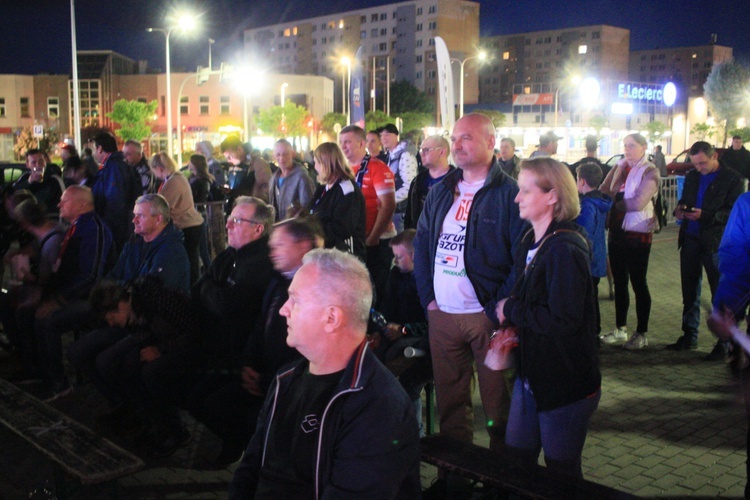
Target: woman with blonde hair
338,203
558,383
175,188
632,184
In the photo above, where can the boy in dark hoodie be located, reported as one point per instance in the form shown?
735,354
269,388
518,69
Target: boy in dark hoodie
594,209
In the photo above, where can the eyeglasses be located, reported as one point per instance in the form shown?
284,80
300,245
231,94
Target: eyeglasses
427,150
237,220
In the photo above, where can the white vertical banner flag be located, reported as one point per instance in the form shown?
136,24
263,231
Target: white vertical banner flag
445,84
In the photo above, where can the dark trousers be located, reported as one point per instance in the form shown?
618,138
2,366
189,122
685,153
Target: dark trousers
595,280
693,259
48,332
630,263
83,355
379,259
192,243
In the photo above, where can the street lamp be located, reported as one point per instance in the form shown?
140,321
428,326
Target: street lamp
346,81
482,55
283,114
185,22
575,80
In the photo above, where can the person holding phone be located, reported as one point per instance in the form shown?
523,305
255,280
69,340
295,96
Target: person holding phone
707,199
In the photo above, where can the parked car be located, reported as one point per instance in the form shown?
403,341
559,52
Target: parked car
681,164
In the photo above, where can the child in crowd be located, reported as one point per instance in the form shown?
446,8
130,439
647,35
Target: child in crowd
594,209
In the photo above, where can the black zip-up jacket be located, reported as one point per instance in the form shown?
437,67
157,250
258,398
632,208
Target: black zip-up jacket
718,201
341,212
417,195
553,307
492,230
368,444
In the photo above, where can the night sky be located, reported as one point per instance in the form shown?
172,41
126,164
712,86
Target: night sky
35,34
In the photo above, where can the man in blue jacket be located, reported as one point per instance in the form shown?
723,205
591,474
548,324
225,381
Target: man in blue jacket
115,188
463,264
156,249
337,423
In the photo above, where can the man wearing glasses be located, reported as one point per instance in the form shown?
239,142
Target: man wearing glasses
230,294
435,150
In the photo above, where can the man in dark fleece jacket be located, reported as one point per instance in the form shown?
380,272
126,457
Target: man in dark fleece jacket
337,423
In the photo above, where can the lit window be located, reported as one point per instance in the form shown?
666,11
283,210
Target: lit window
582,49
506,56
203,104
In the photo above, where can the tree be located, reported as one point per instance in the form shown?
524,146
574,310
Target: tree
24,142
376,119
598,122
133,118
655,130
725,90
415,121
405,97
703,131
329,120
295,119
742,132
498,118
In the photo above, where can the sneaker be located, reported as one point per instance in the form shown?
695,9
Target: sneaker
682,344
637,341
617,335
719,353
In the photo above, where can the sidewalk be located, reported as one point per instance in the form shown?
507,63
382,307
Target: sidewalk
669,424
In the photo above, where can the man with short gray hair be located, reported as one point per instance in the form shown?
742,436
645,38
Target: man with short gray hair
507,158
337,423
133,153
435,152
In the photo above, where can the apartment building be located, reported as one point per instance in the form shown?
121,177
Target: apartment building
397,43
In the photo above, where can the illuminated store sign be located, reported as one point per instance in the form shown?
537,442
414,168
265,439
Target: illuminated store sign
666,94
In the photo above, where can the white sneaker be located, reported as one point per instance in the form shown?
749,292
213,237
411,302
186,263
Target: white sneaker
637,341
616,335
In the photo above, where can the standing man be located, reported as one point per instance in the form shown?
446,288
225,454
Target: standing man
737,157
463,260
376,181
591,146
707,200
659,161
508,160
547,145
336,424
291,186
375,147
245,179
133,153
404,167
115,189
435,152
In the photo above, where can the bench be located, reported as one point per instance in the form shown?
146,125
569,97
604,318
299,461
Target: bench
505,471
73,448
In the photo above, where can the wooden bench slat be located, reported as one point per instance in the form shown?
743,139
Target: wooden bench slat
75,448
503,469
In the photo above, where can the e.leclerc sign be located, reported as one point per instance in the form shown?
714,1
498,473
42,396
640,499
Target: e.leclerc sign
654,93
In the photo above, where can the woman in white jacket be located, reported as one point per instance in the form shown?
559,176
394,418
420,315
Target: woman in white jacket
632,184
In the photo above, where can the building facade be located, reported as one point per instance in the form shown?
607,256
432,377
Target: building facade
397,43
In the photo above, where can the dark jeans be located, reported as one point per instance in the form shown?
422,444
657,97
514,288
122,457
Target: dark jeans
630,263
595,280
48,332
83,353
379,259
560,432
192,243
693,259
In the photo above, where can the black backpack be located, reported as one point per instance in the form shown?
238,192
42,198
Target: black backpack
660,212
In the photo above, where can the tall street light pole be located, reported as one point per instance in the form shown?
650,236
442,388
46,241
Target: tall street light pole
184,23
575,80
283,114
344,86
211,41
76,90
481,56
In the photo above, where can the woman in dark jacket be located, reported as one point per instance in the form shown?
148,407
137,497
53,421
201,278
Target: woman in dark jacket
338,203
552,303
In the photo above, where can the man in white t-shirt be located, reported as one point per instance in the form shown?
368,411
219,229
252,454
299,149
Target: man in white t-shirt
463,267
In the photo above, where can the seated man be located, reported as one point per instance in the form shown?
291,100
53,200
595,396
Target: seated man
155,249
337,423
46,186
229,403
82,260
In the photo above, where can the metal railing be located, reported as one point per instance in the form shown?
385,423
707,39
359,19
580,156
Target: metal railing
216,225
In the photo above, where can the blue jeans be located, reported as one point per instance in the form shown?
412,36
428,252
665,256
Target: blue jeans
693,259
561,432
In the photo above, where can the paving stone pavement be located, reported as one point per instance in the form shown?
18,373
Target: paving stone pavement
668,424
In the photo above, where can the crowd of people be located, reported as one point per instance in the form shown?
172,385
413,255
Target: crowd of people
305,338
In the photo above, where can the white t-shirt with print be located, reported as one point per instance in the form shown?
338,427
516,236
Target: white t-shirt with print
453,290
